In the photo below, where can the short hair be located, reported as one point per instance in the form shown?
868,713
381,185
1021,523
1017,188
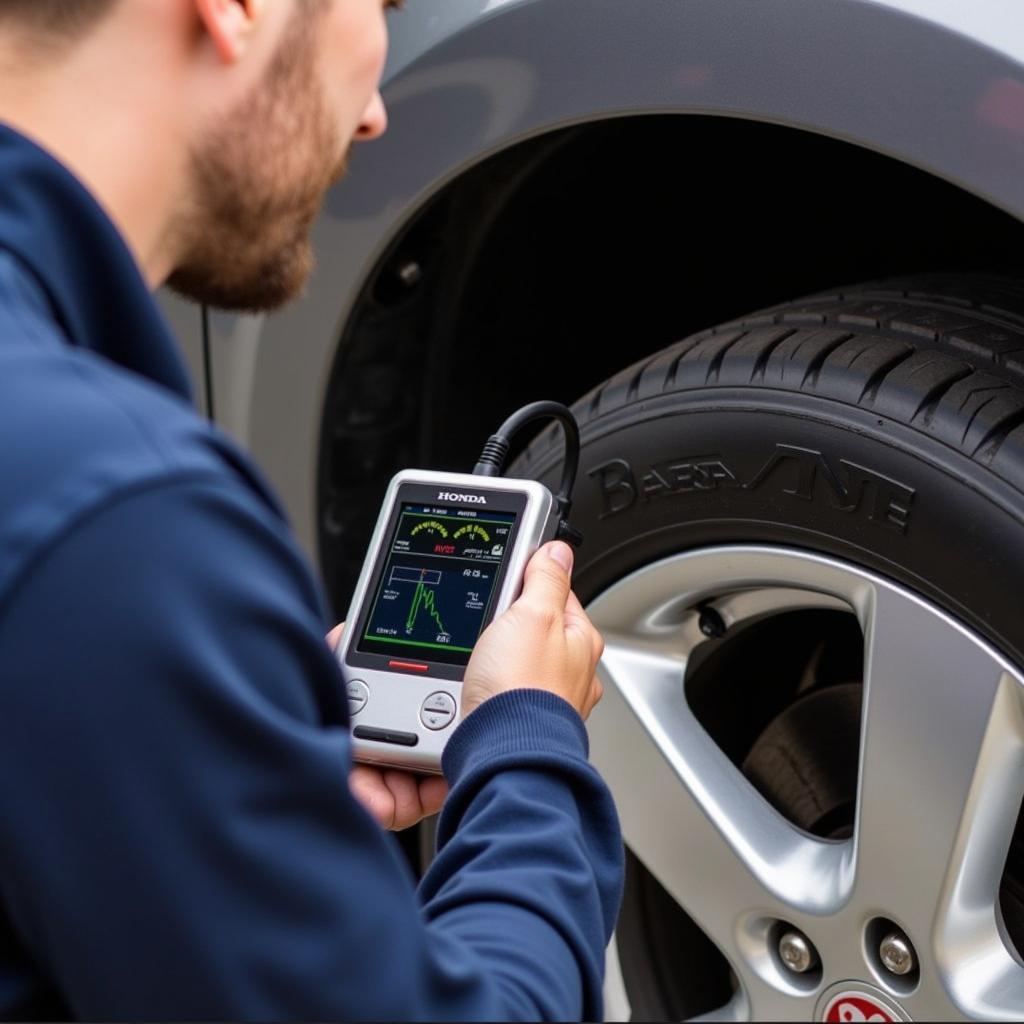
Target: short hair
67,18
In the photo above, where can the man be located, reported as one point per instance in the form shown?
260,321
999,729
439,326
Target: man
178,837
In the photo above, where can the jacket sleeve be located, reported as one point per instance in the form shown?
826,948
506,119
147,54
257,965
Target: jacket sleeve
178,836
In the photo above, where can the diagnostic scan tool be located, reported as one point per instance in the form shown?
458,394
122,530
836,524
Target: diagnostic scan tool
447,556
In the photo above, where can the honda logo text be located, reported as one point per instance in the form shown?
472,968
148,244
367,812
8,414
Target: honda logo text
476,499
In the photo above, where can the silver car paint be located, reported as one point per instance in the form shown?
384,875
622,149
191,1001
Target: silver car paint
186,323
935,83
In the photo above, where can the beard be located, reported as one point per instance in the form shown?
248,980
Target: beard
259,182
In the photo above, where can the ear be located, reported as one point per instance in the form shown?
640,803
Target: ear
230,24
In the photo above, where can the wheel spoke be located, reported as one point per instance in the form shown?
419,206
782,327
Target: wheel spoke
714,844
940,754
983,979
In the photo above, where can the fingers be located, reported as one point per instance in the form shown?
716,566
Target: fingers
405,792
415,798
396,799
547,580
367,786
433,793
334,637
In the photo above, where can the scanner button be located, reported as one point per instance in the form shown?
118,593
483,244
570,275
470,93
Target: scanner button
436,719
358,695
440,702
403,739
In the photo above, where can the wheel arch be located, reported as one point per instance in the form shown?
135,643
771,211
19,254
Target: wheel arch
481,78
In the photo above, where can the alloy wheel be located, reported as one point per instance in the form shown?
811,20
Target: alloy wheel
938,788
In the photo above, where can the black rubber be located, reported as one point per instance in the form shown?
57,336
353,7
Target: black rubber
882,424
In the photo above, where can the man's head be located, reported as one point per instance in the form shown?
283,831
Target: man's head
260,172
267,97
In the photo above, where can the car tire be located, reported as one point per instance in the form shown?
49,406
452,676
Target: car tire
881,425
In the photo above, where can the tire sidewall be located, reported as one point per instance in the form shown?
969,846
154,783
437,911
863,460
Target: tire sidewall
715,466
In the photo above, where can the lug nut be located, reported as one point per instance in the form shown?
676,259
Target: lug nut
897,954
796,952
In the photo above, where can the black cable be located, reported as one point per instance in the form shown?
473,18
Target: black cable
495,452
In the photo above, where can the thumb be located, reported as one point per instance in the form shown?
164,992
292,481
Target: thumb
547,581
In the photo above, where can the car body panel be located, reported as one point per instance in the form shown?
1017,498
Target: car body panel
186,321
938,84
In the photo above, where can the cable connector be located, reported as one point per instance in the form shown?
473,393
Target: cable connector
566,531
495,452
492,458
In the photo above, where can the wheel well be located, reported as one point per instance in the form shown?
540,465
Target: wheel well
546,268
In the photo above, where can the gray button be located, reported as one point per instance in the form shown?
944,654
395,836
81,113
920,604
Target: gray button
438,711
440,701
358,695
436,719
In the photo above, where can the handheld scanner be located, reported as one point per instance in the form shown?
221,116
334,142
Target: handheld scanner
447,555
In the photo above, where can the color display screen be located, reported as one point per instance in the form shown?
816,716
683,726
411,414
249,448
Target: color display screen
439,582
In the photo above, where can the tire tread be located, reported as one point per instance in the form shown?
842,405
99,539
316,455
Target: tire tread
941,354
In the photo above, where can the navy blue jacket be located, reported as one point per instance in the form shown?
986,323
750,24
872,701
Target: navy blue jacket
177,837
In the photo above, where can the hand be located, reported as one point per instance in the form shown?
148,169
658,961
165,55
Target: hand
395,799
545,641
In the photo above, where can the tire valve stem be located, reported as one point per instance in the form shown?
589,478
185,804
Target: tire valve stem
711,623
410,273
